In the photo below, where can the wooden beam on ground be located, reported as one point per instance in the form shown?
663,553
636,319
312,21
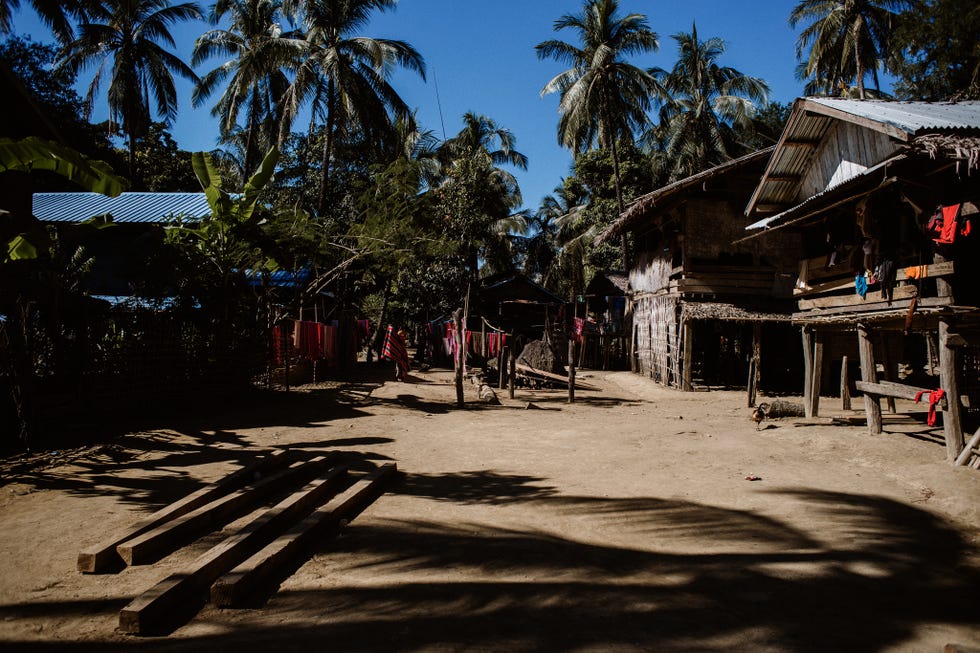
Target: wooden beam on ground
237,585
527,369
154,544
180,595
103,557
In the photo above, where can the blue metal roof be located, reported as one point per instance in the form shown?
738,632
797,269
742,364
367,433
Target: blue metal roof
150,208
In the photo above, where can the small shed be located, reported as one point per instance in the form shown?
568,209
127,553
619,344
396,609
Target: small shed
701,306
884,196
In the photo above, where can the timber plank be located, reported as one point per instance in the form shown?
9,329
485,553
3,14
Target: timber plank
527,369
874,296
103,557
237,585
154,544
178,596
896,390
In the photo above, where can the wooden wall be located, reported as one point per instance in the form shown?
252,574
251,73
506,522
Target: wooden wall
846,151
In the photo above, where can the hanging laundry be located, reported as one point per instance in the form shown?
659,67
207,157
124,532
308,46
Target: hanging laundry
861,285
394,349
935,396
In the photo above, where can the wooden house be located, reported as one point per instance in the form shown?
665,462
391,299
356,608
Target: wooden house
702,307
884,197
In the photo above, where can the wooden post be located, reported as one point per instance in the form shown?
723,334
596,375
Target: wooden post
968,449
872,404
512,366
460,354
501,360
687,373
754,372
483,338
948,364
845,385
815,385
886,367
807,371
571,353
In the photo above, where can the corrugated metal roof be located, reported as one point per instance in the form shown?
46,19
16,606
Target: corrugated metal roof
813,118
913,118
152,208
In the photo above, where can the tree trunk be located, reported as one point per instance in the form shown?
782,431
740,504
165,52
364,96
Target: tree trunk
460,355
619,206
327,148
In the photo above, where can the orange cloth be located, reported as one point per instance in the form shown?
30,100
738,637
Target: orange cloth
916,272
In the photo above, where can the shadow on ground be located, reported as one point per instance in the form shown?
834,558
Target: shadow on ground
476,587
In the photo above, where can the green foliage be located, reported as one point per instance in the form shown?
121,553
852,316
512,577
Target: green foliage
35,154
160,165
935,51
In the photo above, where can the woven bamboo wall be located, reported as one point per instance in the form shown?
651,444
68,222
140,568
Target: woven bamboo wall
657,346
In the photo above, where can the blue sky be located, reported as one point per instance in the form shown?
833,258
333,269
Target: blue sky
481,58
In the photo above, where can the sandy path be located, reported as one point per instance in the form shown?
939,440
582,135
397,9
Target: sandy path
622,522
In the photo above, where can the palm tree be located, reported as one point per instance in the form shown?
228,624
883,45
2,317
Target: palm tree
345,77
124,37
254,76
56,14
847,39
603,98
702,102
480,197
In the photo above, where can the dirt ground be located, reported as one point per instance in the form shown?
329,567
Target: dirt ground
624,521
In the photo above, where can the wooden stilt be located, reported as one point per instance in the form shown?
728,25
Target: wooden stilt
887,373
845,385
688,345
807,371
815,384
512,372
948,364
755,373
872,404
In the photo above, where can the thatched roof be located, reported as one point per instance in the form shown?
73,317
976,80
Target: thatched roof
729,312
644,204
949,146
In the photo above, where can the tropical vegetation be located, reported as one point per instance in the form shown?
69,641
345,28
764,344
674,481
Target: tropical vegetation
323,168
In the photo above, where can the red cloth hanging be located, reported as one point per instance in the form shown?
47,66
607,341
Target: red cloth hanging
394,349
935,396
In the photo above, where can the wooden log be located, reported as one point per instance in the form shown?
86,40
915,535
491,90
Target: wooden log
968,449
175,598
948,365
235,586
103,557
155,543
845,385
872,406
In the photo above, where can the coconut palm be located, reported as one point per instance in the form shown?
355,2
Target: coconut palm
479,197
345,77
702,102
123,40
847,39
603,98
56,14
253,78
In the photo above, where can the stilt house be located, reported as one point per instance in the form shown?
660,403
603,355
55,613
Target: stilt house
702,307
884,196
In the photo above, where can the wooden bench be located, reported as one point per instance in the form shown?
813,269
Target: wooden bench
895,390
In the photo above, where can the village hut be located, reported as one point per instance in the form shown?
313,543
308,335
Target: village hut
884,196
605,333
702,307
